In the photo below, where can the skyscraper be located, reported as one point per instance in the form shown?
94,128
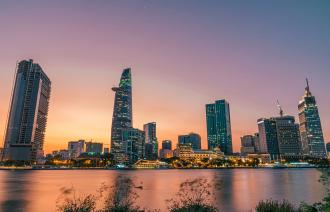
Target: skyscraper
192,138
151,140
310,126
167,144
280,137
27,121
122,114
76,148
247,144
133,143
268,138
219,126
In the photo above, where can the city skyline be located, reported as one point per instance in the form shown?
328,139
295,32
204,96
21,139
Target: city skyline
82,101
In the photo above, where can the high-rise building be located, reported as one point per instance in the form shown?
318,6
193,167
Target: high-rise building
310,126
289,142
268,137
76,148
192,138
133,142
279,137
122,114
151,141
256,142
148,151
28,113
247,144
94,148
166,150
167,144
219,126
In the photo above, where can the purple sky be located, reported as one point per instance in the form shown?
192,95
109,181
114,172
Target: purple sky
183,55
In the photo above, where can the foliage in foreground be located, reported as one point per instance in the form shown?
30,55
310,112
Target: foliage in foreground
193,195
275,206
119,197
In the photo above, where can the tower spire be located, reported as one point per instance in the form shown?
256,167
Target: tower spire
307,90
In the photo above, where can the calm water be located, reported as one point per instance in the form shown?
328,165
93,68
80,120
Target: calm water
241,188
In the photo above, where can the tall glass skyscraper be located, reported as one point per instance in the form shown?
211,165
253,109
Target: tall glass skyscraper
219,126
151,140
310,126
27,121
122,114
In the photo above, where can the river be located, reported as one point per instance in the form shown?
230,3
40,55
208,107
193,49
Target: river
240,189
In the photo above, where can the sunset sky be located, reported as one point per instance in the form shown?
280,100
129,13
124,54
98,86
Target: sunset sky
183,55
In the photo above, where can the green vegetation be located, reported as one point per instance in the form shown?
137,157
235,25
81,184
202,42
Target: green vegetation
193,195
275,206
119,197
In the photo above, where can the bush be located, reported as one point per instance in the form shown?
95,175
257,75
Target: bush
275,206
76,204
119,197
193,195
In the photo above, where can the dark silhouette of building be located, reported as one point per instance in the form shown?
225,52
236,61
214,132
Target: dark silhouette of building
219,126
27,121
122,115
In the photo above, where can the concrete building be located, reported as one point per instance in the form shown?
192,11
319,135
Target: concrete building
76,148
27,121
280,137
94,148
192,138
186,152
248,145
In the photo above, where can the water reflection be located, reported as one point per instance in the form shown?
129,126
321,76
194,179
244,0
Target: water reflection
241,189
16,186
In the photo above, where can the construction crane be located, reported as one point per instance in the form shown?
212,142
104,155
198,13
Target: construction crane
280,108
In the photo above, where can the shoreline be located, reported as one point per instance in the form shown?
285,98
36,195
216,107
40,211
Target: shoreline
137,169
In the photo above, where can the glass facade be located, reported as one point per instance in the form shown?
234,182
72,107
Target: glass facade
122,114
219,126
192,138
310,126
279,137
27,121
268,137
151,141
133,143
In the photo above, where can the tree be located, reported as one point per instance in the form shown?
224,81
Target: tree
193,195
